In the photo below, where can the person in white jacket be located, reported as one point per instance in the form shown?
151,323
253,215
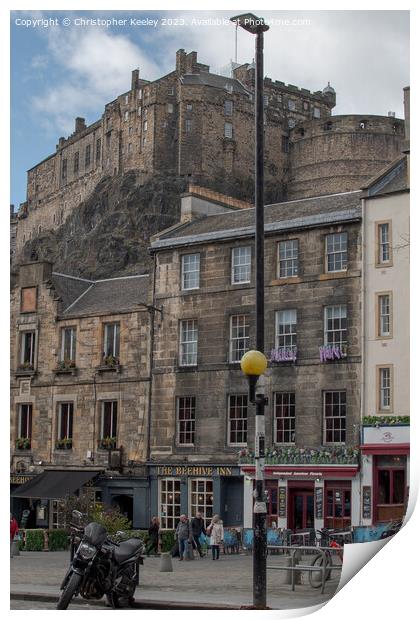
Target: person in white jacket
216,533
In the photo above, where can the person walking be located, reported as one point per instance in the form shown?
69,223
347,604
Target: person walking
154,536
13,531
197,528
183,534
216,533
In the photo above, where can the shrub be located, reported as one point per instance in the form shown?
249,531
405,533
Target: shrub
168,540
58,540
34,540
110,518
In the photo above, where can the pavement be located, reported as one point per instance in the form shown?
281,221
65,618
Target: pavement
199,584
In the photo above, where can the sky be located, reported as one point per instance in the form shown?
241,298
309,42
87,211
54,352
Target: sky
63,66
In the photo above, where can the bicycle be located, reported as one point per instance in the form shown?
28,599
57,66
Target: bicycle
315,577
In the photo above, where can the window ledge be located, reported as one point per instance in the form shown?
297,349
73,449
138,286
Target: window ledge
105,368
25,373
65,371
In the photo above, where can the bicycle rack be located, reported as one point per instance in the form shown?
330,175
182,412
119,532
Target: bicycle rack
302,567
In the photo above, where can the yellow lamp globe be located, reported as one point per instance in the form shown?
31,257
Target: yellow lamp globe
253,363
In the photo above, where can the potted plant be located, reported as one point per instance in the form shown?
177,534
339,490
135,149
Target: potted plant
26,366
23,443
111,361
66,364
64,444
107,443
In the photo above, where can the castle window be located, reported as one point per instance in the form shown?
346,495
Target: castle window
328,126
189,107
363,124
291,123
130,147
140,94
170,90
64,169
266,101
76,163
305,106
126,99
279,98
228,107
126,115
145,126
108,139
139,111
130,131
188,125
291,105
170,108
317,113
87,156
228,130
143,141
98,150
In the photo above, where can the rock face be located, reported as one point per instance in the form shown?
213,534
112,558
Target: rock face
108,234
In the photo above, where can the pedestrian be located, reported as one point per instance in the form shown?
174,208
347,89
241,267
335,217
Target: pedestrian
216,533
183,535
197,527
154,536
13,531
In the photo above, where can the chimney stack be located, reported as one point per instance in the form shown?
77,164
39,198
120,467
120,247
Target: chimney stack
79,125
180,61
135,79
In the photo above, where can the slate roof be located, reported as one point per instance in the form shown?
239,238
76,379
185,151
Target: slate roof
394,178
211,79
315,211
111,296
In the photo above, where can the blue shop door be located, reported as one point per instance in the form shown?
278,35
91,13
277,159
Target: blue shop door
232,501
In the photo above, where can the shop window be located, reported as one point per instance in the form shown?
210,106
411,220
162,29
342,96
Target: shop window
338,504
201,498
336,252
241,265
390,487
68,344
335,409
335,326
186,420
284,417
169,503
190,271
28,299
237,419
288,258
239,337
188,345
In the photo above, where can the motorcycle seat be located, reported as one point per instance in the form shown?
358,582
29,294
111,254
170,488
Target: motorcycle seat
126,549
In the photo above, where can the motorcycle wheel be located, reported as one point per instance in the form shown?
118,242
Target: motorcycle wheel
69,591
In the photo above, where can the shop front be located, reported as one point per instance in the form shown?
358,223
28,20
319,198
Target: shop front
385,472
304,497
177,489
129,494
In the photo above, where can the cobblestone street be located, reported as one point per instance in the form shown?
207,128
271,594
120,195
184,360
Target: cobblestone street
227,581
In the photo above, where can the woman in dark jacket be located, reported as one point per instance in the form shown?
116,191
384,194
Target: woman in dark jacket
154,536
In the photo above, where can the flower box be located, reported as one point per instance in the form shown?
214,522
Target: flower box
64,444
23,443
107,443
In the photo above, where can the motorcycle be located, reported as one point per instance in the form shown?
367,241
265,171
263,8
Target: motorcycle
100,566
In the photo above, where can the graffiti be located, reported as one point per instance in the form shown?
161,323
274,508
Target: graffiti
284,354
332,352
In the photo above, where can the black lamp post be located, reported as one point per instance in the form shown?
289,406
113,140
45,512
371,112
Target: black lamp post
255,25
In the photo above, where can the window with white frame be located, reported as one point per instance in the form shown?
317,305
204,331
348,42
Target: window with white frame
384,315
170,503
111,340
288,258
126,115
228,107
335,325
68,344
188,342
336,252
109,415
291,104
170,108
317,113
239,336
190,271
284,417
27,349
188,125
65,421
237,419
228,130
286,334
201,498
241,265
186,420
335,409
24,430
384,243
385,388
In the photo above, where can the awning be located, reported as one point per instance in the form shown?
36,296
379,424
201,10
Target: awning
55,484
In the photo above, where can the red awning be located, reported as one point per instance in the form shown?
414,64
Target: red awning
378,449
308,472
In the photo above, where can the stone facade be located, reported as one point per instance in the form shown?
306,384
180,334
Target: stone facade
85,383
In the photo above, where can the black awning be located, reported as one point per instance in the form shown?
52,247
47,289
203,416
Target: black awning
55,484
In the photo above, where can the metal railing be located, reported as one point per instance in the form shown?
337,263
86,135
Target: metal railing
324,569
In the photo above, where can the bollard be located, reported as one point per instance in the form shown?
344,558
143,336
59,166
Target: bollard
15,548
165,563
285,576
188,551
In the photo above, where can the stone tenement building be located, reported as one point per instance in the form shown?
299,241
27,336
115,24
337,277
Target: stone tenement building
80,360
197,124
201,421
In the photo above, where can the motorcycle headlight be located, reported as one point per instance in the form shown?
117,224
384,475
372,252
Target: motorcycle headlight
86,551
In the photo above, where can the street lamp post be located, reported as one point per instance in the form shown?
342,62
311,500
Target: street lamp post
251,364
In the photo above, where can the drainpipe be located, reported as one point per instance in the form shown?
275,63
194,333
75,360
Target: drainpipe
363,352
